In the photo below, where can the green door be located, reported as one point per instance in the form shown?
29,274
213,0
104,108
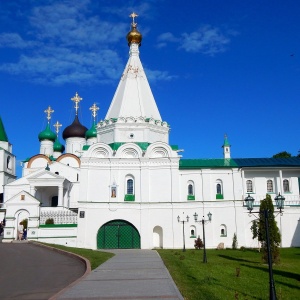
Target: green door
118,234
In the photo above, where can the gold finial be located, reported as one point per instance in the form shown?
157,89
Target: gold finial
76,99
94,108
49,111
133,15
57,125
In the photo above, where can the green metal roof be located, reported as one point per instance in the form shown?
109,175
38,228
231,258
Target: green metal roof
3,135
238,163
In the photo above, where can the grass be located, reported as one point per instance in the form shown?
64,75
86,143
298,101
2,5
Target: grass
218,278
95,257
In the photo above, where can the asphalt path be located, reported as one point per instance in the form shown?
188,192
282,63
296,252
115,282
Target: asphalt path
32,272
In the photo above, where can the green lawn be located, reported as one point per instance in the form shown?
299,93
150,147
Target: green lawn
95,257
218,279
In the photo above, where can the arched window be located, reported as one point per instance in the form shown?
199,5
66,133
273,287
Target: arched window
192,231
223,230
249,186
190,190
219,189
8,162
286,186
130,186
270,186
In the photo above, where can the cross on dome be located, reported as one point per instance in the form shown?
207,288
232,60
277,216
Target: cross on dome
94,108
133,15
76,100
49,111
57,126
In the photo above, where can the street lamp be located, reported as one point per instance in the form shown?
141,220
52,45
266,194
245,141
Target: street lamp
203,227
279,199
183,221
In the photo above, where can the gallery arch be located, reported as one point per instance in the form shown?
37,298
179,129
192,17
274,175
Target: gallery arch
157,237
118,234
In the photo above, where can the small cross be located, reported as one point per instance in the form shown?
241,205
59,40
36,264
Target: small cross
76,99
94,108
57,126
49,111
133,15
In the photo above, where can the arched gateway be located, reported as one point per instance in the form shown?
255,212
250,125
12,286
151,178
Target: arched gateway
118,234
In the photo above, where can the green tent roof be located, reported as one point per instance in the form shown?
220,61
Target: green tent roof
3,135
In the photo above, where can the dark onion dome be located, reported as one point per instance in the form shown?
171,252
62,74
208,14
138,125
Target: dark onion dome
47,134
58,147
74,130
92,132
134,36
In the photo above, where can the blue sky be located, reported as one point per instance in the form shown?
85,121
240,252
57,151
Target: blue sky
214,67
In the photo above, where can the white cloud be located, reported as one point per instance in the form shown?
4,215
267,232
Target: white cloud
207,40
156,75
14,40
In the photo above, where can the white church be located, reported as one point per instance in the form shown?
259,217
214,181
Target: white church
120,184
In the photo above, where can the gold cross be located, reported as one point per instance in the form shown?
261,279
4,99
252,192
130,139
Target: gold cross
57,125
94,108
133,15
49,111
76,99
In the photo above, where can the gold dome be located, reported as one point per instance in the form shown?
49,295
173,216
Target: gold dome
134,36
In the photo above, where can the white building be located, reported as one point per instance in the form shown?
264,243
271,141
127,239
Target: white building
121,185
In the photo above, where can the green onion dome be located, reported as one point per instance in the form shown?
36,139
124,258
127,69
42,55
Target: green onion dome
58,147
76,129
92,132
47,134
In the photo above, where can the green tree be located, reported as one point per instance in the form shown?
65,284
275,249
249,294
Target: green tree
282,154
258,229
234,242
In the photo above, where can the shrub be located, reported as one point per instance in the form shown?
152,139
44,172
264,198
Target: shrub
234,242
49,221
198,243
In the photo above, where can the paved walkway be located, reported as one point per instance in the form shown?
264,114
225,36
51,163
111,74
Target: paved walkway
130,274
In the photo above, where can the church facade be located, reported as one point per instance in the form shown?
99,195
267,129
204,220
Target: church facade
120,184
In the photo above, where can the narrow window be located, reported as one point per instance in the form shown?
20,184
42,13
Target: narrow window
219,188
286,185
190,190
270,186
130,186
8,165
249,186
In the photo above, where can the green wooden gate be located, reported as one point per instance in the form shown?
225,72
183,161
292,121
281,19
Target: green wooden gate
118,234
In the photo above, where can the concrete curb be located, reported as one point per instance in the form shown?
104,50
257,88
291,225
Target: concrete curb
81,258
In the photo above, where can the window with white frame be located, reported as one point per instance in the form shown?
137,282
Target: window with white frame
193,231
129,186
190,188
219,189
270,186
286,186
249,186
223,230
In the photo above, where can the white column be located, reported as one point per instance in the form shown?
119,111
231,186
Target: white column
60,196
32,190
280,183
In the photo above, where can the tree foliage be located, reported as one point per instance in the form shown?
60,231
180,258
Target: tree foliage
234,242
198,243
258,229
282,154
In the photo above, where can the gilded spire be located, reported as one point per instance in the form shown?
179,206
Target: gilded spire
57,126
94,108
76,100
48,112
